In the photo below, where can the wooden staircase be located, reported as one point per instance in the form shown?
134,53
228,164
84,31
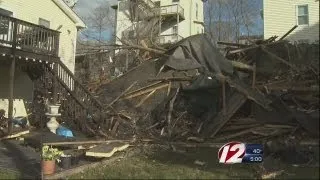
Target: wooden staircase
79,108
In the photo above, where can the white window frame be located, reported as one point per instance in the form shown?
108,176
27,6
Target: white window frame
297,14
13,15
173,29
197,11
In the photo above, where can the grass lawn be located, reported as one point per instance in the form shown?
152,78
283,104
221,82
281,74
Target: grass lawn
8,174
145,168
168,165
172,165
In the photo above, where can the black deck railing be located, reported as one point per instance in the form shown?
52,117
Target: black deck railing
26,36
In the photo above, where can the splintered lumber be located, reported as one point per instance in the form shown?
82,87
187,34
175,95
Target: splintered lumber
107,150
144,90
232,44
124,92
15,135
252,47
145,98
241,65
285,35
172,79
171,109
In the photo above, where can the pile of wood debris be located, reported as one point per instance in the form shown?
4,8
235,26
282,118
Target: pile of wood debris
256,91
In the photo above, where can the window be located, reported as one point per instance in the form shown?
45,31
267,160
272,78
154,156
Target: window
175,29
303,15
157,3
4,23
175,1
44,23
197,11
202,30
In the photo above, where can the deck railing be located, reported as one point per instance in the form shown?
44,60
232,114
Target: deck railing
172,9
26,36
169,38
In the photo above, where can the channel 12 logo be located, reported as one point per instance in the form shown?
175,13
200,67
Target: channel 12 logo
237,152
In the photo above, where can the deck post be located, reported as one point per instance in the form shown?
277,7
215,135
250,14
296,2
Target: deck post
11,77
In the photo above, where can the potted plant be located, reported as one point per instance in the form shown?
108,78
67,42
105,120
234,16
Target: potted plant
49,157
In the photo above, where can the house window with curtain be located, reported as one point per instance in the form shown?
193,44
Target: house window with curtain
4,22
303,15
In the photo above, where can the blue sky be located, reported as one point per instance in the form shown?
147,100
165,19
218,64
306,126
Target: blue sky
84,7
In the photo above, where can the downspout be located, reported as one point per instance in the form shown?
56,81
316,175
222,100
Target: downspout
190,14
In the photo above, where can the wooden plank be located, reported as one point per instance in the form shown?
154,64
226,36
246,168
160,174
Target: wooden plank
84,142
145,98
107,150
132,95
18,134
145,87
285,35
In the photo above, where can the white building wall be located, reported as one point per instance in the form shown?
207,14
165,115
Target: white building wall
186,27
281,15
32,10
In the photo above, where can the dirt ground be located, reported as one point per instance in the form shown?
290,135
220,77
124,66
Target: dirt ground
166,164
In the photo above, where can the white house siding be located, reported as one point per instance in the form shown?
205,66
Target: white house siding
187,27
32,10
281,15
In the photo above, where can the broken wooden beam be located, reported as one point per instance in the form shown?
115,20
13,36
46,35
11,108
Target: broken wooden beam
15,134
241,65
171,79
285,35
252,47
232,44
145,98
144,91
106,150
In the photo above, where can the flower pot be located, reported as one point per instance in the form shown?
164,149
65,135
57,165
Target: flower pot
48,167
65,161
54,109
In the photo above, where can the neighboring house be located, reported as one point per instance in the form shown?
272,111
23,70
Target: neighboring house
281,15
37,60
52,14
61,26
171,20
